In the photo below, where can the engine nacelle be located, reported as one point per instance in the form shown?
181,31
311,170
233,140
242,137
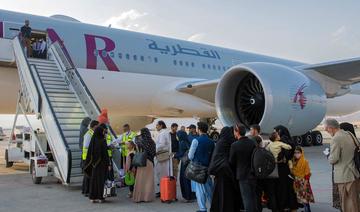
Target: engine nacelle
270,94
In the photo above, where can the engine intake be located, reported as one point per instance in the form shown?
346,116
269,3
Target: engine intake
269,94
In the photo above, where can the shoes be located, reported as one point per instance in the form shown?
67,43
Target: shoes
102,201
93,201
157,195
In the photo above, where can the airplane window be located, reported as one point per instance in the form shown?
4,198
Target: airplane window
120,55
187,63
203,65
135,57
192,64
209,66
181,62
112,54
155,59
142,58
174,62
128,56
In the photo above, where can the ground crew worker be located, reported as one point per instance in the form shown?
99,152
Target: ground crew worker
87,139
127,136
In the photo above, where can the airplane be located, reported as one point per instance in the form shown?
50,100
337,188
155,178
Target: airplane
139,77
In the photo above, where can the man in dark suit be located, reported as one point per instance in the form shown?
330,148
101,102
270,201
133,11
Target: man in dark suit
240,159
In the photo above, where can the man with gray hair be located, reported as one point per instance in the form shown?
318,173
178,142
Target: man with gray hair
341,156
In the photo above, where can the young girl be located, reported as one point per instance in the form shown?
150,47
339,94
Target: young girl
129,169
301,172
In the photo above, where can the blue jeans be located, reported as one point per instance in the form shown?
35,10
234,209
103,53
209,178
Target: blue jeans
307,207
248,195
203,192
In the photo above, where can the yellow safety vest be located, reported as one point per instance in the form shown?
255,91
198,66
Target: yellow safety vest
126,138
85,149
108,142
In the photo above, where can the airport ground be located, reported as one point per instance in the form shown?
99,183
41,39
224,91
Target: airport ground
19,194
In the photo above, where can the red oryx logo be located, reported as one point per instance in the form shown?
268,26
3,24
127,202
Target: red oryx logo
300,97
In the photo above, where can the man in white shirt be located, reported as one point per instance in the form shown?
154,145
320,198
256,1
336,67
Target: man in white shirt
163,145
42,49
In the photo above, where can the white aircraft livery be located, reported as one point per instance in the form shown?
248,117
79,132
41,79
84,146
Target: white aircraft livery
138,77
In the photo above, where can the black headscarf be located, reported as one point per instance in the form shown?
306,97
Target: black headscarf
348,127
286,138
147,144
219,161
83,129
97,152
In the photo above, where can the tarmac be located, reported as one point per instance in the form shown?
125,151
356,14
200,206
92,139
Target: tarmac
19,194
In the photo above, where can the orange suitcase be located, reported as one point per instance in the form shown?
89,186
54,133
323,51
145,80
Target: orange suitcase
168,189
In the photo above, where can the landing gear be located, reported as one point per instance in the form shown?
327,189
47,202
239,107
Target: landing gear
213,133
311,138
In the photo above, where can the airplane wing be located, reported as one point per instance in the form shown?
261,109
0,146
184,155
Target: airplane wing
345,71
335,77
204,89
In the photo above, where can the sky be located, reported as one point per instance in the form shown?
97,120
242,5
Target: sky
307,30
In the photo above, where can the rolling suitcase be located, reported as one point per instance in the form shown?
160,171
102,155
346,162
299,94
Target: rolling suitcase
168,188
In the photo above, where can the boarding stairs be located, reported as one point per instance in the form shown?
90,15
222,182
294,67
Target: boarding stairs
56,93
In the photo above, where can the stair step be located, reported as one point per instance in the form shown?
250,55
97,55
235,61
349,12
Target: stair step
66,104
70,127
70,115
76,171
70,121
38,60
63,95
72,140
75,154
71,133
63,99
68,110
61,87
55,78
50,74
46,82
48,71
52,90
45,65
75,164
74,145
51,80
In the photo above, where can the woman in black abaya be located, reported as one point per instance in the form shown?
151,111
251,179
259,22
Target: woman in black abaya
97,164
226,196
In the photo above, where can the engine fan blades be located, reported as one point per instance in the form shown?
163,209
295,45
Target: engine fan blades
250,100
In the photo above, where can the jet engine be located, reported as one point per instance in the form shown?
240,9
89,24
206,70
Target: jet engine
269,95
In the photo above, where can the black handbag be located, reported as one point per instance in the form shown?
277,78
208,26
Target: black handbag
196,172
139,159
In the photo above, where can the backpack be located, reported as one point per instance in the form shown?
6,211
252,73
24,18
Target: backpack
356,152
262,163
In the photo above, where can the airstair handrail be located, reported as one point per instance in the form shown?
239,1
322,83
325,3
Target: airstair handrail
30,82
70,70
22,63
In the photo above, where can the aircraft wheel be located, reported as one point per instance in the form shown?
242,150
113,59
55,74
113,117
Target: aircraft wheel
308,140
215,136
317,138
299,140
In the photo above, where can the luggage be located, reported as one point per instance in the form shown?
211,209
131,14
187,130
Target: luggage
168,189
356,152
197,172
263,163
109,189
